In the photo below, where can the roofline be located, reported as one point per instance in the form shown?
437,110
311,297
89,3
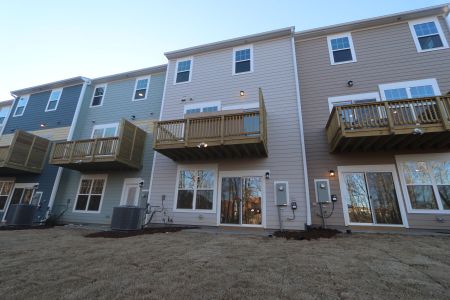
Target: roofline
376,21
130,74
6,102
248,39
50,86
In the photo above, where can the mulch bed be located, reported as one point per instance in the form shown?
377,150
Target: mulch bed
311,234
116,234
7,228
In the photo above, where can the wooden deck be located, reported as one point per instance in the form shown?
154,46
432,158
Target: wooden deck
422,123
219,135
121,152
26,154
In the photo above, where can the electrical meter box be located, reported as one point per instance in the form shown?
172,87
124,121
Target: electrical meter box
323,191
281,193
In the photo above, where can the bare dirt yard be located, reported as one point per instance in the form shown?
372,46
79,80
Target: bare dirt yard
60,263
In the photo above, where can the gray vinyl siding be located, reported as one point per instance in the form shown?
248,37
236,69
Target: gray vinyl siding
117,104
212,80
384,55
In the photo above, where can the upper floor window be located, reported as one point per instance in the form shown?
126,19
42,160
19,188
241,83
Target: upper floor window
97,97
21,105
105,130
141,88
428,35
340,48
202,107
53,101
242,59
4,111
183,71
410,89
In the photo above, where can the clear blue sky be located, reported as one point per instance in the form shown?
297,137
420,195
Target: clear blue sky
44,41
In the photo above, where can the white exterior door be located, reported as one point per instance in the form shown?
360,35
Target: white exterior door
21,194
130,192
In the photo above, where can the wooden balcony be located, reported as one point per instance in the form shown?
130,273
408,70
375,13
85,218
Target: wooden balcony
409,124
219,135
26,154
122,152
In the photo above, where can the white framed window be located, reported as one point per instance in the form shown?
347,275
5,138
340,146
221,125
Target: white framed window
196,188
141,88
341,49
243,59
202,107
90,193
409,89
425,180
4,111
98,95
21,105
105,130
5,190
427,34
53,100
353,99
183,71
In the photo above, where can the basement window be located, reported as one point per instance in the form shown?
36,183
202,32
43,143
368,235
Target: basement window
195,189
183,71
428,35
90,194
141,88
340,48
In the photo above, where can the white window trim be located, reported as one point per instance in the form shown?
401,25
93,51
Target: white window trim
361,96
191,58
416,38
251,59
103,126
97,176
315,188
407,85
57,100
250,105
371,168
244,173
93,94
9,195
19,186
24,108
146,89
330,49
127,181
399,159
213,167
202,105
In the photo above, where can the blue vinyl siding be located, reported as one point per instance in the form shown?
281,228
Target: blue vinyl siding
117,104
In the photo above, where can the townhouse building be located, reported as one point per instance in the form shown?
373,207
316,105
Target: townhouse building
229,140
39,116
108,162
376,110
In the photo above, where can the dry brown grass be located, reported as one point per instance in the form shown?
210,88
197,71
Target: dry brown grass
60,263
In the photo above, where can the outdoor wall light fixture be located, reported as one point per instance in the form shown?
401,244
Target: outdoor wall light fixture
332,173
133,117
350,83
267,175
42,125
242,93
202,145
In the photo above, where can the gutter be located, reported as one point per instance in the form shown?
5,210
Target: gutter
302,139
69,138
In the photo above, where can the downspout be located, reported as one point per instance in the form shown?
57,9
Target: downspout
69,138
302,138
156,153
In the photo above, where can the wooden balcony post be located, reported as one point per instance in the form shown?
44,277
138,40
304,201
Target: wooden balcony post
222,129
93,150
389,118
443,113
186,132
72,149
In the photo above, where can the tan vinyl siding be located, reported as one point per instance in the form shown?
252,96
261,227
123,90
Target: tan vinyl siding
52,134
212,80
384,55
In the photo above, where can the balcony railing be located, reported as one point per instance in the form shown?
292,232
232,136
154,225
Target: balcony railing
26,154
399,124
224,134
108,153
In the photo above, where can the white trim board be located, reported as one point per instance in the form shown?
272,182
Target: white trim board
149,77
252,60
191,58
330,48
57,99
416,38
407,85
372,168
105,86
